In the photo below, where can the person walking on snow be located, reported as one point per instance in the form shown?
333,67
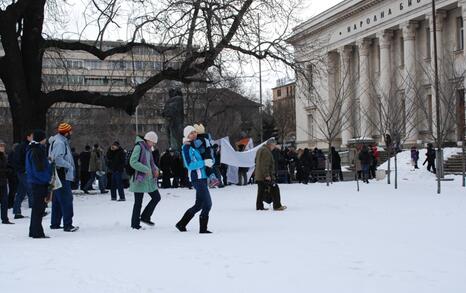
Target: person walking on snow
197,175
144,179
5,172
414,157
430,158
116,158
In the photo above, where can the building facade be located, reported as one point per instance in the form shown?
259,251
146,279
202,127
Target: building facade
284,114
375,58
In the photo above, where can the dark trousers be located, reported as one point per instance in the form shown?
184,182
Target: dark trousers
101,179
166,179
117,184
85,176
365,172
39,193
262,189
431,165
148,211
4,203
203,200
242,177
22,191
62,206
12,187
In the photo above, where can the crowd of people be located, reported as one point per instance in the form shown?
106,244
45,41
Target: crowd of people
47,171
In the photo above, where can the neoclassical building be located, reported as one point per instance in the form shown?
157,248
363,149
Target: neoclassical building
382,49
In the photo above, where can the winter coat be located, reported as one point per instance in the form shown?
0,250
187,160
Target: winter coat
203,144
166,163
193,161
84,159
35,176
336,160
96,161
5,170
149,184
60,154
265,165
19,157
414,155
365,157
430,154
116,160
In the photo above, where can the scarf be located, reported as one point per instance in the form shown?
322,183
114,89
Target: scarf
140,177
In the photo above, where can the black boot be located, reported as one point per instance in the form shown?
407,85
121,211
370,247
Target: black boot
181,225
203,221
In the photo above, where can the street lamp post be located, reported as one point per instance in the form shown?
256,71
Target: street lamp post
437,97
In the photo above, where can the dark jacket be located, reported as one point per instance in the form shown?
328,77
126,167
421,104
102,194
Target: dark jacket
5,170
430,154
166,163
84,159
34,175
335,159
116,160
365,157
19,159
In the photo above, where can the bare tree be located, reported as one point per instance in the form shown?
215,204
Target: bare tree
196,33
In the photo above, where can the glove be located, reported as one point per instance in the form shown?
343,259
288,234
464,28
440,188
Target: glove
208,163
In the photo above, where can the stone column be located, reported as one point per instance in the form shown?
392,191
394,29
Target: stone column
385,79
440,20
365,104
344,92
410,82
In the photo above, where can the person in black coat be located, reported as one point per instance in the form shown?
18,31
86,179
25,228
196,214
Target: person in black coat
84,159
305,162
5,172
20,169
12,178
335,159
166,165
116,162
365,159
430,159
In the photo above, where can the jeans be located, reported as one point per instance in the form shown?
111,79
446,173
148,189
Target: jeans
4,203
148,211
62,206
39,193
203,200
23,190
365,171
94,176
117,184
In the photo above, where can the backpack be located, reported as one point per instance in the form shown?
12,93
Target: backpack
130,170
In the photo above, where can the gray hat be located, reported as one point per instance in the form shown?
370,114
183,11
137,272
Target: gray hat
2,142
271,141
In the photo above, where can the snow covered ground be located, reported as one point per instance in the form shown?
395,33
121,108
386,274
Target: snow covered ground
331,239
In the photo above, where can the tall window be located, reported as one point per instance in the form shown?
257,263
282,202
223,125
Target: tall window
428,43
310,127
459,33
279,93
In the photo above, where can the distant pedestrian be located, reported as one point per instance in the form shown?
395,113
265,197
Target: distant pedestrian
335,160
84,159
96,170
197,175
144,179
430,159
39,175
365,159
5,172
62,200
116,158
166,166
414,157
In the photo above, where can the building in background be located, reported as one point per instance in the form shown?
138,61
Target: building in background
118,75
372,47
284,110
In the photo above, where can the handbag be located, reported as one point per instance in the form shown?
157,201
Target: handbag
56,182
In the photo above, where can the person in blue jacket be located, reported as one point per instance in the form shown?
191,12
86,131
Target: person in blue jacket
197,175
39,175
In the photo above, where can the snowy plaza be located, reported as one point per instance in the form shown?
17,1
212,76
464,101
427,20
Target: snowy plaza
330,239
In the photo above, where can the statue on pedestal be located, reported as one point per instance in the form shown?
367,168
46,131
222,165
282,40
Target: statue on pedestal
173,112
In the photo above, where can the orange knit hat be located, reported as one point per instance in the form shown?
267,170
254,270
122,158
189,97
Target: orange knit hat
64,128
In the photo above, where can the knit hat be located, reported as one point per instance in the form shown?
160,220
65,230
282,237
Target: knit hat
271,141
64,128
187,130
151,136
38,135
2,142
199,128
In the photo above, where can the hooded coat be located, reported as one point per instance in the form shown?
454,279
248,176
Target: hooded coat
149,183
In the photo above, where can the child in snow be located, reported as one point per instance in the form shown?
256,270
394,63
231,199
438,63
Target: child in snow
204,145
414,157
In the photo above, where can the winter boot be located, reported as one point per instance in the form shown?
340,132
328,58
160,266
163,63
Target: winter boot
203,221
181,225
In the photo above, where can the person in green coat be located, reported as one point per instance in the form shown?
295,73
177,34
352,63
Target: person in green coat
144,179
